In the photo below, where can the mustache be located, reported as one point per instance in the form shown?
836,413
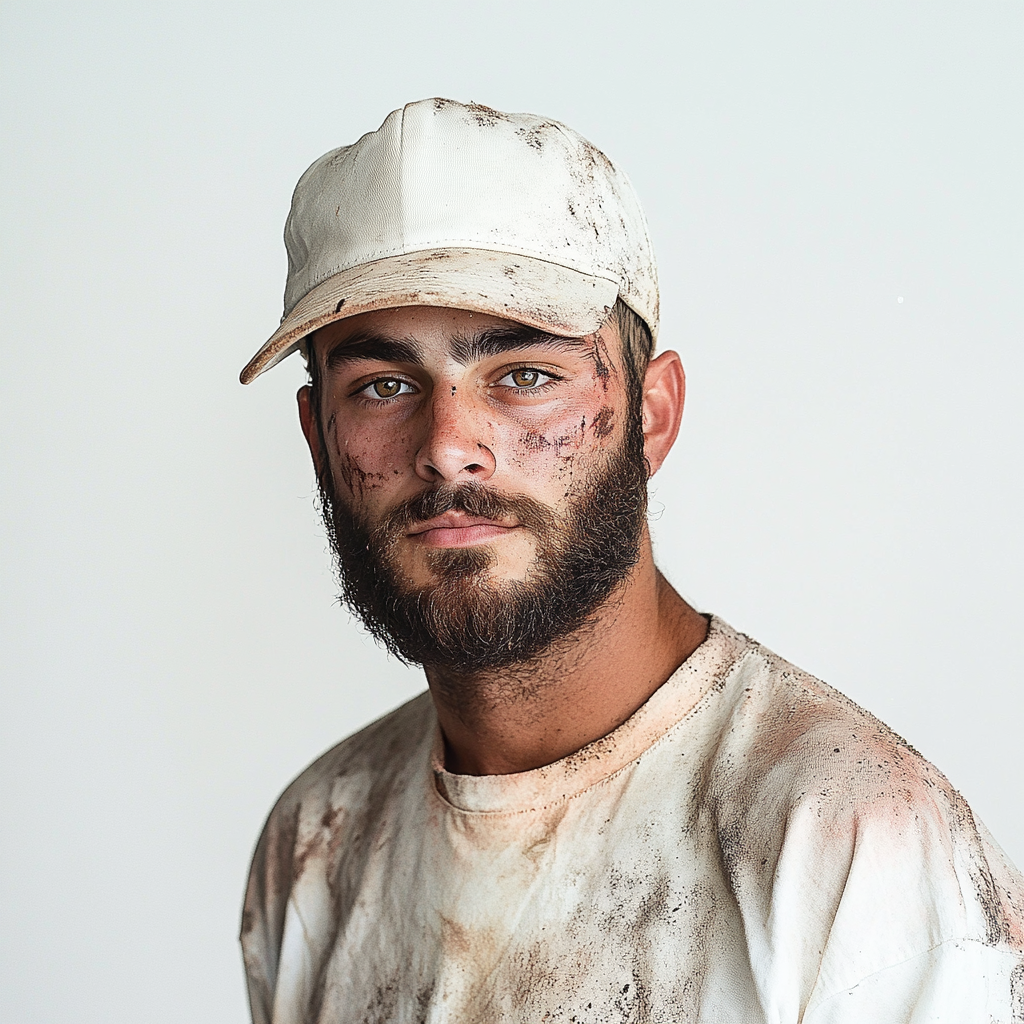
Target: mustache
473,500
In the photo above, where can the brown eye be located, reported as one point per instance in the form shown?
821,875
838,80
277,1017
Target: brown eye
525,378
386,388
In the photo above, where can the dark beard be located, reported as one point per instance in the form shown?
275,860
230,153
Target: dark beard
465,622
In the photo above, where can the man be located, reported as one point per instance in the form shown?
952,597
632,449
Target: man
608,807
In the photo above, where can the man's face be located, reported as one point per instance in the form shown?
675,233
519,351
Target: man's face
476,472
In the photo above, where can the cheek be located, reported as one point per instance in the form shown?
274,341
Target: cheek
363,463
565,446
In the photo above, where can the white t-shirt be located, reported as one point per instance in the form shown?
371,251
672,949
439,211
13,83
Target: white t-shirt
772,854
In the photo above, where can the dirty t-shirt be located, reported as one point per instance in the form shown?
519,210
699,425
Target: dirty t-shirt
770,854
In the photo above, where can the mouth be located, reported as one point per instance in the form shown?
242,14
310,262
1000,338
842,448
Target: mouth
457,530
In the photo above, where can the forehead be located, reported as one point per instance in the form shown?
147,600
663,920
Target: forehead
427,324
442,330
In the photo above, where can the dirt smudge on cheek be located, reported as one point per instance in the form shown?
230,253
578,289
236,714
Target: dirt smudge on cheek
563,442
572,441
534,442
356,479
567,449
604,422
345,471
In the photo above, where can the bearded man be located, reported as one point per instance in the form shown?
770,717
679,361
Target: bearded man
608,806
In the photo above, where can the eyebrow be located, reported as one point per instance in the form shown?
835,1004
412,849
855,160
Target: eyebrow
371,346
495,340
376,347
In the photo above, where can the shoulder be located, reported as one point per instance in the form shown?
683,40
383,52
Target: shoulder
794,739
329,811
358,768
338,794
810,791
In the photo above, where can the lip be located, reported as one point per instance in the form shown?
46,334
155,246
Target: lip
457,530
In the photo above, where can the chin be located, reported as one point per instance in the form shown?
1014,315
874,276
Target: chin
448,564
482,562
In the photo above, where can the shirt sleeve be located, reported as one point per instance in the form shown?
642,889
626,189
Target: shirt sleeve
263,916
958,982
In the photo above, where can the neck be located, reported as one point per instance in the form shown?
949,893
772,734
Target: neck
523,717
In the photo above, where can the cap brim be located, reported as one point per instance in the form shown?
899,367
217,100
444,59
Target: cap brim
544,295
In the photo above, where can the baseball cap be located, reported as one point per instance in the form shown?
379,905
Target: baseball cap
458,205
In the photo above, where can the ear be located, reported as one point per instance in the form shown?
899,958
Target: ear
309,427
664,395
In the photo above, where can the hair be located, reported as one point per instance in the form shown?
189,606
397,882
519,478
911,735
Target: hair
637,341
637,349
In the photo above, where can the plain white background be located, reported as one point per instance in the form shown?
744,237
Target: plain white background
846,487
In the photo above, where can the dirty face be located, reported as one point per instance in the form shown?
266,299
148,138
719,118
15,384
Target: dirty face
484,483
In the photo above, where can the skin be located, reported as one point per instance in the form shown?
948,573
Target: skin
534,420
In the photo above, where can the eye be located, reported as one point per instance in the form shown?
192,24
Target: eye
387,387
526,379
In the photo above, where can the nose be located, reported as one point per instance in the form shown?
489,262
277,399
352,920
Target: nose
455,448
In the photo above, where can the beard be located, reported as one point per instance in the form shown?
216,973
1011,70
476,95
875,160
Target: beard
466,620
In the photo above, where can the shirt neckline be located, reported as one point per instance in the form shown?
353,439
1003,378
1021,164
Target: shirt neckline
673,701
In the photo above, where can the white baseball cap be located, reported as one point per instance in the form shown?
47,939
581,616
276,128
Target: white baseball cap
458,205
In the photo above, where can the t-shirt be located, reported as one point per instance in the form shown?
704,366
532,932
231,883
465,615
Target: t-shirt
768,855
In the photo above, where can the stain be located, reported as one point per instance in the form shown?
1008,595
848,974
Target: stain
384,1005
534,135
423,999
537,849
534,442
456,939
355,478
538,967
1004,921
329,817
486,117
604,422
1017,994
595,157
601,358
